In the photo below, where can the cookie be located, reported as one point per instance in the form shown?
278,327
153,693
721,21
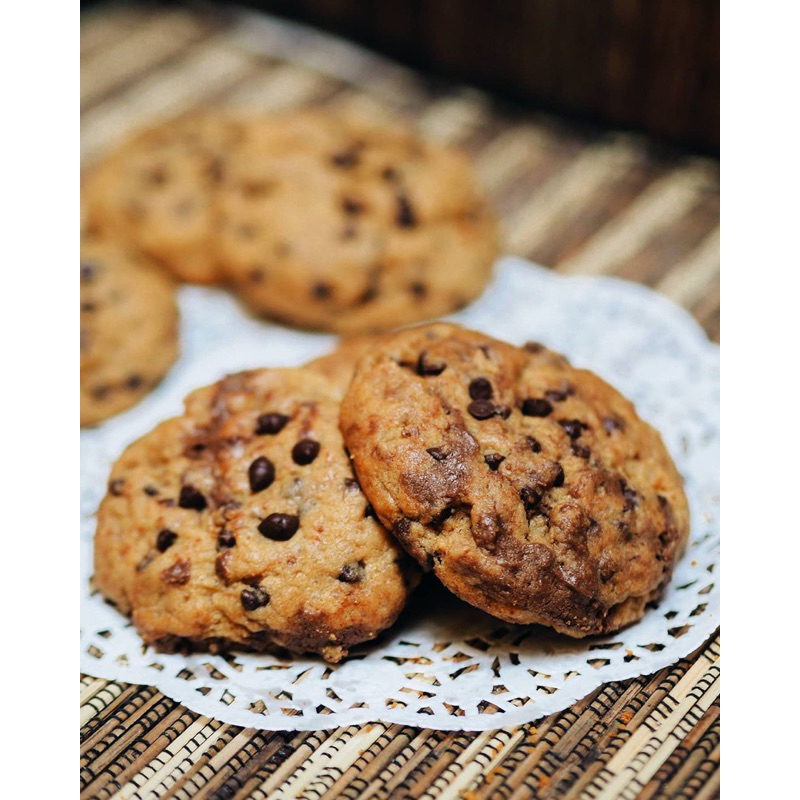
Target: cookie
333,224
129,329
157,192
241,523
531,488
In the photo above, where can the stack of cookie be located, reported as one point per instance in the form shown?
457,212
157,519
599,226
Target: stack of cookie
315,220
281,509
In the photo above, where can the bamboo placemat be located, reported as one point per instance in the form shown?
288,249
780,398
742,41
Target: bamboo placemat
578,200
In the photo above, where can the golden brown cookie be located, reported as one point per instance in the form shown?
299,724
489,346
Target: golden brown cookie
333,224
529,487
158,192
241,523
129,329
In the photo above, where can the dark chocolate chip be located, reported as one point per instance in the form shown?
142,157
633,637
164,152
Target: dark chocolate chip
225,538
254,597
437,453
191,498
536,407
221,567
581,450
321,291
87,272
405,216
418,289
352,206
178,574
134,382
150,491
165,539
530,498
481,409
480,389
533,347
504,412
559,481
389,174
279,527
494,460
270,423
101,392
631,496
427,368
573,427
115,486
346,159
88,307
402,527
555,395
261,474
351,483
533,444
352,573
305,451
612,424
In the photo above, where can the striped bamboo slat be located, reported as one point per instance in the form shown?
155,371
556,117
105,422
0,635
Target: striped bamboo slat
578,200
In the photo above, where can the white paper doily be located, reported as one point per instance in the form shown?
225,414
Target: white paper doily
444,665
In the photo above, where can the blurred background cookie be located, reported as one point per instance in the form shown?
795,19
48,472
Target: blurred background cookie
241,523
129,328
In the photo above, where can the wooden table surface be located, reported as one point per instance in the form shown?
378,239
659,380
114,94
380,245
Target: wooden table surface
575,199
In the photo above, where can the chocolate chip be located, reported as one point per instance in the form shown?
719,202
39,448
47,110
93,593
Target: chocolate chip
150,491
480,389
279,527
352,573
87,272
418,289
504,412
533,444
352,206
481,409
115,487
165,540
494,460
559,480
533,347
305,451
351,483
437,453
88,307
254,597
221,567
390,174
255,275
191,498
270,423
573,427
346,159
612,424
321,291
555,395
401,527
225,539
101,392
427,368
261,474
530,499
178,574
134,382
630,495
405,216
581,450
536,407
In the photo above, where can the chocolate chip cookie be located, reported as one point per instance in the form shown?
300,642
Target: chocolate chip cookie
330,223
158,192
531,488
129,329
241,523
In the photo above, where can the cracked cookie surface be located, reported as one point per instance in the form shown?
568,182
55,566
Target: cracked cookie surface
129,329
531,488
241,523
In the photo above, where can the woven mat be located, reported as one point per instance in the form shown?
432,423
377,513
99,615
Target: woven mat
575,199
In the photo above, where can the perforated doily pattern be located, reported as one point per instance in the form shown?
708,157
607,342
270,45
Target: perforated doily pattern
444,665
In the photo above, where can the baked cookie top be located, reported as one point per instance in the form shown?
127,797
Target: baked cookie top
241,522
157,192
331,223
531,488
129,328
